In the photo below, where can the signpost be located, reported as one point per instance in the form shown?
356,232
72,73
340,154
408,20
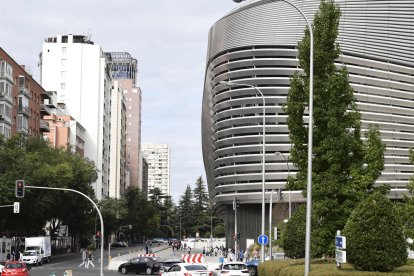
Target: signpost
340,253
263,239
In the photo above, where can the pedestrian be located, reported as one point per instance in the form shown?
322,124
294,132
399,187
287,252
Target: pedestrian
173,248
17,256
146,248
204,251
84,258
189,250
21,255
8,256
90,260
241,255
246,254
255,253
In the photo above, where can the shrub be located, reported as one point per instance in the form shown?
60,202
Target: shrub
293,236
91,247
375,240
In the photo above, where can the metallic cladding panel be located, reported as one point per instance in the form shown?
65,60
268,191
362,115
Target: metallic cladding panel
256,43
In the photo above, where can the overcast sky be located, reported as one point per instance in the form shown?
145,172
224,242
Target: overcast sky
169,39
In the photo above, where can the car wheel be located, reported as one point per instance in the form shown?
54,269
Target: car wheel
252,271
149,271
124,270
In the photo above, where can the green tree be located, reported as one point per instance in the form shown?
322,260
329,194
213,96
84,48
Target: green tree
201,210
114,213
405,208
340,178
142,214
41,165
186,211
293,236
375,239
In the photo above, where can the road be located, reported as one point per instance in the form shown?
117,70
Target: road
59,264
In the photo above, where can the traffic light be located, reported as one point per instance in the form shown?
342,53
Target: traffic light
16,207
19,188
238,237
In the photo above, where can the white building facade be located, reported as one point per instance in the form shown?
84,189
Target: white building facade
158,159
118,163
77,69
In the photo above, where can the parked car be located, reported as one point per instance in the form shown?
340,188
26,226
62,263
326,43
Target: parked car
185,269
165,265
252,267
118,244
145,265
233,269
15,268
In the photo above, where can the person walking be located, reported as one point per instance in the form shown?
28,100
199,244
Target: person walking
8,256
255,253
90,260
84,258
241,255
146,248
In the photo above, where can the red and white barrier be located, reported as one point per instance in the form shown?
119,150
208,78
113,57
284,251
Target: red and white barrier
193,258
146,255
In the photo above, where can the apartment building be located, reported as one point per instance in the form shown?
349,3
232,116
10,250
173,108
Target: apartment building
77,69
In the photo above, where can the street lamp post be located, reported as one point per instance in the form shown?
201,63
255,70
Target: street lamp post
310,143
287,164
229,83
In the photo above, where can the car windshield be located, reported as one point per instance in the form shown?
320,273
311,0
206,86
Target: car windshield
195,267
14,265
234,267
29,253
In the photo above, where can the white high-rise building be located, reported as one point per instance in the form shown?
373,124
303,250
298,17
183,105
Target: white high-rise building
118,162
76,68
158,158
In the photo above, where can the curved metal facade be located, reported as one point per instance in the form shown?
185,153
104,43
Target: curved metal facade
256,44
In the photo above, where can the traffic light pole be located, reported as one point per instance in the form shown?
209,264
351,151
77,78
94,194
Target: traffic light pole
96,207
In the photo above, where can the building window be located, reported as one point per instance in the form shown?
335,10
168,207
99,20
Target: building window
63,86
63,50
63,62
63,74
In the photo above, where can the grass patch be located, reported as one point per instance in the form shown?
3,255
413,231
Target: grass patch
322,268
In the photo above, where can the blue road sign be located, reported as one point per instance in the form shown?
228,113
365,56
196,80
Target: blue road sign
263,239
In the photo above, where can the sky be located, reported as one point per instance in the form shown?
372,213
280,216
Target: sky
169,39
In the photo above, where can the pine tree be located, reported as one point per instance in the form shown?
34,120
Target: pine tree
201,210
186,211
344,168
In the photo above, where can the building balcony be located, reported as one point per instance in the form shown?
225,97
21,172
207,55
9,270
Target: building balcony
6,97
23,91
45,110
44,126
23,130
24,110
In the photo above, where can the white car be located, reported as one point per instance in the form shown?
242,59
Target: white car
233,269
187,269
